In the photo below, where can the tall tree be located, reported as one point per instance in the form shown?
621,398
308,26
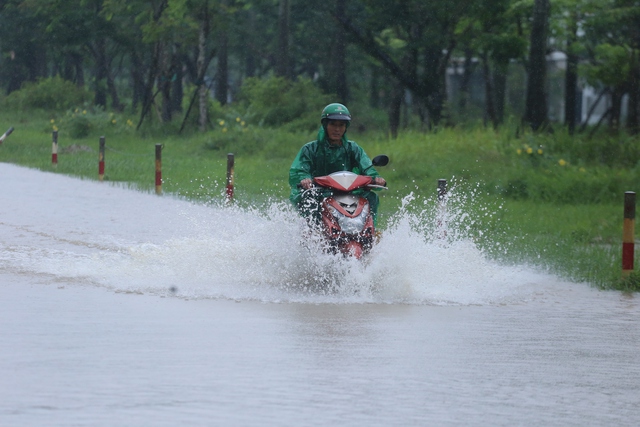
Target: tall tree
571,76
613,43
284,22
24,43
536,100
387,31
490,30
339,57
222,74
203,91
633,115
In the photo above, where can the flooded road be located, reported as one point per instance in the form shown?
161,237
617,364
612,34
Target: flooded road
125,308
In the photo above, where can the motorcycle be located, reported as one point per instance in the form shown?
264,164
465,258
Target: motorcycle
346,220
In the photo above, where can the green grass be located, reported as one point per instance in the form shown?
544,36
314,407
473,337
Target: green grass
549,201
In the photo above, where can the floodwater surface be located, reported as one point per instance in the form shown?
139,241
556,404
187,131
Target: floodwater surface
119,307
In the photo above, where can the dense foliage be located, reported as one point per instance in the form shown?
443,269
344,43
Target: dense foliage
423,63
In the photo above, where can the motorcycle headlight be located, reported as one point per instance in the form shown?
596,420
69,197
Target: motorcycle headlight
351,225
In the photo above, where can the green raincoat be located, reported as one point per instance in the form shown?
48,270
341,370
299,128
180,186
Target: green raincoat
319,158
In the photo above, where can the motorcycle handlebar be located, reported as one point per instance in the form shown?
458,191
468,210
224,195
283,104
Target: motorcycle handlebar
318,187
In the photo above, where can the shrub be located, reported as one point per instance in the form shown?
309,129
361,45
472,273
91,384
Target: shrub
80,122
52,93
79,127
239,138
276,101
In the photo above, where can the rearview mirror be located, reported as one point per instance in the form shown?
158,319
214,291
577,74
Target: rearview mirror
381,160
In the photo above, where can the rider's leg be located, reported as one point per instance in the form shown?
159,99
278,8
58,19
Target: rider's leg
374,201
310,207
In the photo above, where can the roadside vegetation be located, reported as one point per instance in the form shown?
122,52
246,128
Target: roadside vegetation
548,199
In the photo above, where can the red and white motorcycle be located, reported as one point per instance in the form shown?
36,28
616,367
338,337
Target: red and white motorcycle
346,217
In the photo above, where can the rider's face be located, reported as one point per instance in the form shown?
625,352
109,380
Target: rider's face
335,130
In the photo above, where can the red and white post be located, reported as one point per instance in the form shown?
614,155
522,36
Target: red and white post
230,178
101,159
54,149
628,233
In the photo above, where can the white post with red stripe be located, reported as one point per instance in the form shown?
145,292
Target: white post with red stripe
230,177
54,149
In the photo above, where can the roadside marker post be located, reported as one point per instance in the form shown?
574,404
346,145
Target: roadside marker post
230,177
628,233
6,134
442,189
158,168
101,159
442,208
54,149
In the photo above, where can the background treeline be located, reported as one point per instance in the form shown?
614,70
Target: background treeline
166,60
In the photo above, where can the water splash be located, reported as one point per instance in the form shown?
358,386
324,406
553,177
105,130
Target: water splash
430,253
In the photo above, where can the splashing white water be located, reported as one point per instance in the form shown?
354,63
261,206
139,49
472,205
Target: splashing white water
426,256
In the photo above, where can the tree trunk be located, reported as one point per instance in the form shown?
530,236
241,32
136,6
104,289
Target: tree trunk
282,56
154,72
36,61
137,79
395,107
222,76
435,64
593,108
490,111
633,114
100,88
73,68
79,79
148,95
164,83
571,80
536,100
177,89
203,96
112,89
68,67
436,101
465,82
340,57
26,64
410,65
500,73
250,62
616,109
374,89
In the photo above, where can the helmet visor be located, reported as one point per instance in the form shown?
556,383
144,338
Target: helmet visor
339,116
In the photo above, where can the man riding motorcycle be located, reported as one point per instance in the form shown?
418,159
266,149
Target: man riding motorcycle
330,152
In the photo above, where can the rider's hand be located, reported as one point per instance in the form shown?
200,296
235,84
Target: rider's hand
379,181
306,183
